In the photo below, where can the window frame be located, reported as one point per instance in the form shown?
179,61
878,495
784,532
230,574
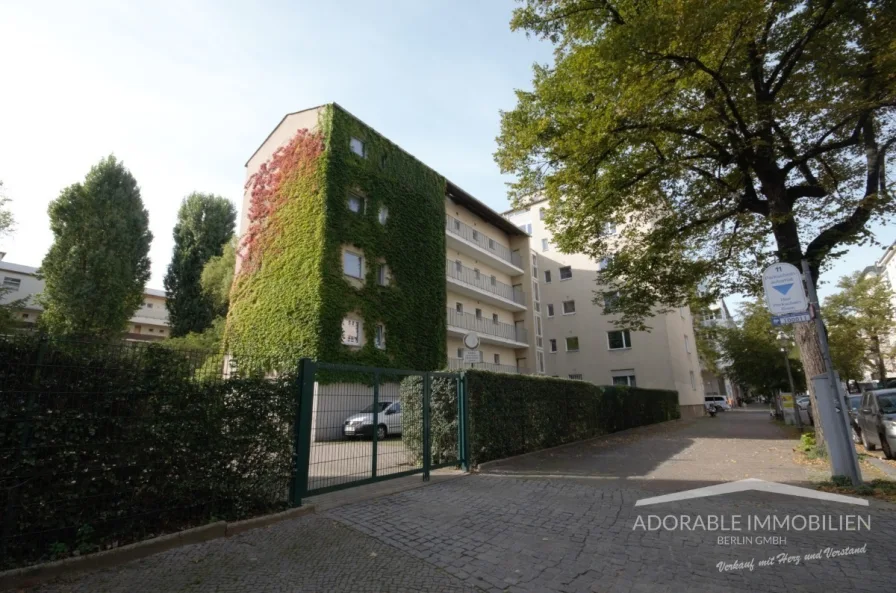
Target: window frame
12,282
383,215
359,324
563,307
360,256
545,245
566,342
626,343
568,269
355,141
547,276
362,203
552,345
550,309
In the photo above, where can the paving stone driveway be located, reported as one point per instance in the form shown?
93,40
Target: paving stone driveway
558,521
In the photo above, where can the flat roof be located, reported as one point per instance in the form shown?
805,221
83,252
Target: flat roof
526,207
32,271
480,209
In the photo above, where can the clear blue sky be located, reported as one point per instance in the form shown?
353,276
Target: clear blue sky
183,93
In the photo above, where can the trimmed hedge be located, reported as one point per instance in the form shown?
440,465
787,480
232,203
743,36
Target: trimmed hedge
515,414
443,418
104,444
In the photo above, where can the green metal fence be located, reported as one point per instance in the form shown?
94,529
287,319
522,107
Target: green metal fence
358,425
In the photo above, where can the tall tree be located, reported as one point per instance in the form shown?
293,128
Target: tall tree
848,349
722,135
864,307
7,308
98,266
205,222
217,278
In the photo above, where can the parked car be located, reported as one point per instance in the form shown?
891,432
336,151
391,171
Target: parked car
719,402
854,402
877,420
361,424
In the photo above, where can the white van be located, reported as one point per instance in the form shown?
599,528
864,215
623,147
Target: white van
719,402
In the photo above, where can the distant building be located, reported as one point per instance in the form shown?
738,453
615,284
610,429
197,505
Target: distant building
885,267
717,315
578,341
149,323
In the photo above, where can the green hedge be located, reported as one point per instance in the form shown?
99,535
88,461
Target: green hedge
443,418
515,414
106,444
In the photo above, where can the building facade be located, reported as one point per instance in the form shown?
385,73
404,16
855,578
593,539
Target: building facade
580,342
398,264
716,383
149,323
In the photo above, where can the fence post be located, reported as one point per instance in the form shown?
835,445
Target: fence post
302,430
462,448
465,392
427,440
376,423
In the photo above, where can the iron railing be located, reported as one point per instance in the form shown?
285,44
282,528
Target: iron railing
458,364
475,278
480,239
486,326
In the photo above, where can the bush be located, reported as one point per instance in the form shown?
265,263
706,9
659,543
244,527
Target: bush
127,441
515,414
443,418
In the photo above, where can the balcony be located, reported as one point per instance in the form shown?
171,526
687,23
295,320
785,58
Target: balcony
472,283
505,334
456,364
465,239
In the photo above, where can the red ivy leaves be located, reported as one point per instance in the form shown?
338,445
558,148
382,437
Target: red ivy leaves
296,159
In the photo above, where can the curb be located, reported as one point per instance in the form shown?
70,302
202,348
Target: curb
30,576
495,462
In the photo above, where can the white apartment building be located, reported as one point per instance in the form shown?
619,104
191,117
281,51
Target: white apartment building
149,323
717,315
580,342
886,268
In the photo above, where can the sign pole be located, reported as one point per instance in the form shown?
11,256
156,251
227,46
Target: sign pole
837,434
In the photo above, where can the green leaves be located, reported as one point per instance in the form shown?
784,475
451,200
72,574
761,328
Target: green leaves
720,136
97,268
205,224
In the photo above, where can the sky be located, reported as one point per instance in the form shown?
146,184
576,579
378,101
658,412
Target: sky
184,92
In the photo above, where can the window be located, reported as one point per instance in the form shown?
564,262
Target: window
491,244
138,329
460,353
541,214
569,307
383,215
552,344
547,276
149,305
565,273
610,299
693,381
539,360
576,376
352,264
550,310
459,307
357,146
494,318
478,313
538,326
687,345
355,203
161,331
24,316
544,244
619,340
12,283
382,275
151,330
538,341
572,344
526,226
380,339
626,377
535,291
383,161
351,332
497,359
534,259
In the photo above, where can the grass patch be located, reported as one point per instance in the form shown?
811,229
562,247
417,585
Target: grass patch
880,489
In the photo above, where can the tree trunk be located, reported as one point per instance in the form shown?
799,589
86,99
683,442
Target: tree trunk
878,358
813,365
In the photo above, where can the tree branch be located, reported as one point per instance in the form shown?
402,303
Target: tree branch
819,147
792,56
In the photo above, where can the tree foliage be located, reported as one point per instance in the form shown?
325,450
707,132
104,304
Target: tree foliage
97,268
7,309
6,219
860,319
217,278
753,353
205,223
726,134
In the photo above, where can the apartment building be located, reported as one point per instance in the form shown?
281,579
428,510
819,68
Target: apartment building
716,383
149,323
580,342
406,259
885,267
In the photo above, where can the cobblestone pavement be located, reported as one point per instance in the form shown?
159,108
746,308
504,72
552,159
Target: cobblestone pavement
559,521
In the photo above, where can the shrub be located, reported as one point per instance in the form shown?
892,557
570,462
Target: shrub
443,418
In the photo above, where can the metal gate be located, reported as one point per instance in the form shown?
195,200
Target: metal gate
358,425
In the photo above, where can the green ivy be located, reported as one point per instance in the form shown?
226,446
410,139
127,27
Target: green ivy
293,305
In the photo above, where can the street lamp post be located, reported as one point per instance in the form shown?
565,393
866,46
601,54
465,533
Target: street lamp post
782,339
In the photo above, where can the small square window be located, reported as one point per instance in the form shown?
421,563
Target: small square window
547,276
552,345
565,273
149,305
569,307
355,203
497,359
352,264
576,376
24,315
610,299
351,332
572,344
151,330
383,215
544,244
478,313
357,146
619,340
459,307
550,310
494,318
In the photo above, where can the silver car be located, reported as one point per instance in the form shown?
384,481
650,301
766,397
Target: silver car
361,424
877,420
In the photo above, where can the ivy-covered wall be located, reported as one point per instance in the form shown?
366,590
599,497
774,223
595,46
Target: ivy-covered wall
291,301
